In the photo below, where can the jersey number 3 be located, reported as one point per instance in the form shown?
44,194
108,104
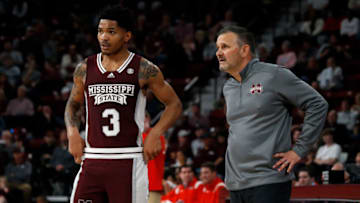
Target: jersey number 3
114,122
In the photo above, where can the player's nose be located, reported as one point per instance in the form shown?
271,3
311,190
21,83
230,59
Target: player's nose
104,37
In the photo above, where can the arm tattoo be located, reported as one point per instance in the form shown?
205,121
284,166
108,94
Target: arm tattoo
147,69
80,70
73,106
72,117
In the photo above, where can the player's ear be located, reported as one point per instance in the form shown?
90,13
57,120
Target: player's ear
128,36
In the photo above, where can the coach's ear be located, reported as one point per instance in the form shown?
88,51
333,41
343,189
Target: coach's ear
245,50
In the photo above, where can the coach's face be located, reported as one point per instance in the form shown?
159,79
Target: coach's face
111,37
229,53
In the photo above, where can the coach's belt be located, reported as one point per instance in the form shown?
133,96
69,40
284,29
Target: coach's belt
113,153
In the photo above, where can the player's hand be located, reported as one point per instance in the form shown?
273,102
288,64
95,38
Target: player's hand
287,159
76,146
152,145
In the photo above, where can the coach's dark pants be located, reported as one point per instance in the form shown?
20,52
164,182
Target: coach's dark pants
271,193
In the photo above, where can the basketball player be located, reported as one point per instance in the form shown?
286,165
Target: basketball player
113,157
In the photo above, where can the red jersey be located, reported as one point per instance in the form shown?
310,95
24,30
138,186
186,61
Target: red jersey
115,104
156,167
214,192
187,194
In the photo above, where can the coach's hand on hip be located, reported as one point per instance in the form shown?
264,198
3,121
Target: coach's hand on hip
76,146
152,145
287,159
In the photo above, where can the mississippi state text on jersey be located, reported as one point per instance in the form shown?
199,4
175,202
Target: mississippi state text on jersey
115,104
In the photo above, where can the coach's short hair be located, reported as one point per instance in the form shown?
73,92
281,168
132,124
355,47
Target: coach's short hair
123,16
244,36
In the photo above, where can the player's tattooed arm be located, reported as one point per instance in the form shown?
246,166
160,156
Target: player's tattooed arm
76,98
151,76
148,70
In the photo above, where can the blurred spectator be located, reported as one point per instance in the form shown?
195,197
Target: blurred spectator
328,49
9,50
183,29
305,178
295,134
339,167
189,47
210,48
31,75
262,52
41,199
42,155
196,119
60,102
356,105
186,190
63,164
31,42
213,189
317,4
11,70
354,170
340,131
228,18
206,154
311,71
198,143
6,148
221,146
18,174
182,144
332,23
349,25
200,42
21,105
181,159
355,135
3,104
69,61
7,194
169,181
331,77
313,25
288,57
45,118
329,153
20,9
354,5
346,116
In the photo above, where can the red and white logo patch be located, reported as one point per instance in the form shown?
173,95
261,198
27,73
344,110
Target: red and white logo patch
256,89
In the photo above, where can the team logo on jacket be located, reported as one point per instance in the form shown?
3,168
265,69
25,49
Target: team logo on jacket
117,93
256,89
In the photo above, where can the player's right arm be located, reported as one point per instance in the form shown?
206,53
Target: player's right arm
73,112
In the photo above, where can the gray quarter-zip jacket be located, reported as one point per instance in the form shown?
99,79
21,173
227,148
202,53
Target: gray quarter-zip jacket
258,113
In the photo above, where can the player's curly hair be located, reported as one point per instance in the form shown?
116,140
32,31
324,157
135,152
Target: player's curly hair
122,15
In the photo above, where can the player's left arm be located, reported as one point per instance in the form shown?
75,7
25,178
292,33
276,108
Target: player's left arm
151,77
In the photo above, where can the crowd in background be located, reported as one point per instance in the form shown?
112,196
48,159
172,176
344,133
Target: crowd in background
41,47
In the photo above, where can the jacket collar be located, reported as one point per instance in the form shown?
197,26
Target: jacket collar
245,72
